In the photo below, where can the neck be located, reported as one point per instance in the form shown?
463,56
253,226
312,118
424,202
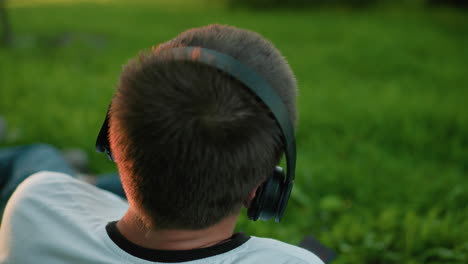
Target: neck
174,239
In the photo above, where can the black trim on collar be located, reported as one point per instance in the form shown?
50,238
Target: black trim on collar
172,256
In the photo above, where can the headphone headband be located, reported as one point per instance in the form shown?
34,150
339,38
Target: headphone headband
252,81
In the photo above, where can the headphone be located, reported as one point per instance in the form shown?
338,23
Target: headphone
272,196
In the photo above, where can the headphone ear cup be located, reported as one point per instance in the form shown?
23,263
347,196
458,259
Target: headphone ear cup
102,141
256,205
268,196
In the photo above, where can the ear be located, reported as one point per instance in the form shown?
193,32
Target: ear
251,196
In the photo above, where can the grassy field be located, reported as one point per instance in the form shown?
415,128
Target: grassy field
383,132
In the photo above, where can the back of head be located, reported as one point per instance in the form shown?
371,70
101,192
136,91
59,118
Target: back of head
190,141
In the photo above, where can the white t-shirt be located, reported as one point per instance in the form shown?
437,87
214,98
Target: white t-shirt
53,218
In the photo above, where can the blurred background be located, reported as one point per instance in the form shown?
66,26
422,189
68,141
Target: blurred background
382,139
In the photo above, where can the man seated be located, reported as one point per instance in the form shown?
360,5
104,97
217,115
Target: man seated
192,145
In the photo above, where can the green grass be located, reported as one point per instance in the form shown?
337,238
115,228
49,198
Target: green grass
383,130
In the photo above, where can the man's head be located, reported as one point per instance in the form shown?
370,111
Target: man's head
191,142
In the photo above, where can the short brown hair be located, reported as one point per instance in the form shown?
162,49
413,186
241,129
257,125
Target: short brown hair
192,142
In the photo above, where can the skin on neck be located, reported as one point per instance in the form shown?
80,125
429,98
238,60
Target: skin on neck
135,231
132,228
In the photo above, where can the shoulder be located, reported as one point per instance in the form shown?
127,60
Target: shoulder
48,186
50,189
49,193
27,212
36,189
42,180
274,251
50,209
